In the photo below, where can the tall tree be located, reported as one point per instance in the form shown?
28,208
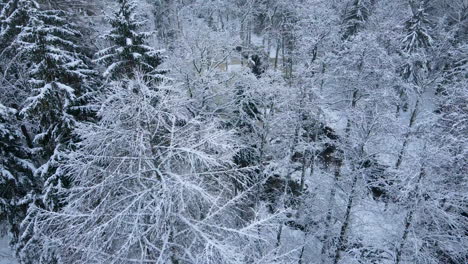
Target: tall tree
417,39
13,16
417,28
152,184
59,82
59,78
129,51
17,184
356,16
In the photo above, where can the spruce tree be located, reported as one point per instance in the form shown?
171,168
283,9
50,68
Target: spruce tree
355,17
129,50
13,16
59,82
415,42
16,171
417,29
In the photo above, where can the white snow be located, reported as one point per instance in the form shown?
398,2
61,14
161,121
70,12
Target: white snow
129,41
6,254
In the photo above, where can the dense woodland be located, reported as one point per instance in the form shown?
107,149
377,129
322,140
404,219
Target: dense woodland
234,131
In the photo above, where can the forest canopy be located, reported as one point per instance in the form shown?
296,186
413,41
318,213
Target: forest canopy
233,131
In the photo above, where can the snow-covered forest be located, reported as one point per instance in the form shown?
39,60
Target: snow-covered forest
233,131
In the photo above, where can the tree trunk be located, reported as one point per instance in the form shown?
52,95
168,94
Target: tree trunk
282,52
26,135
278,235
328,219
406,140
353,105
301,255
322,82
409,218
344,228
277,53
304,170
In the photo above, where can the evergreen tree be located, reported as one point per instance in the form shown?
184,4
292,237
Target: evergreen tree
59,80
16,171
355,17
13,16
417,39
415,43
417,31
129,50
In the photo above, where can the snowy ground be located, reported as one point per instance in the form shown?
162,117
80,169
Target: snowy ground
6,256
